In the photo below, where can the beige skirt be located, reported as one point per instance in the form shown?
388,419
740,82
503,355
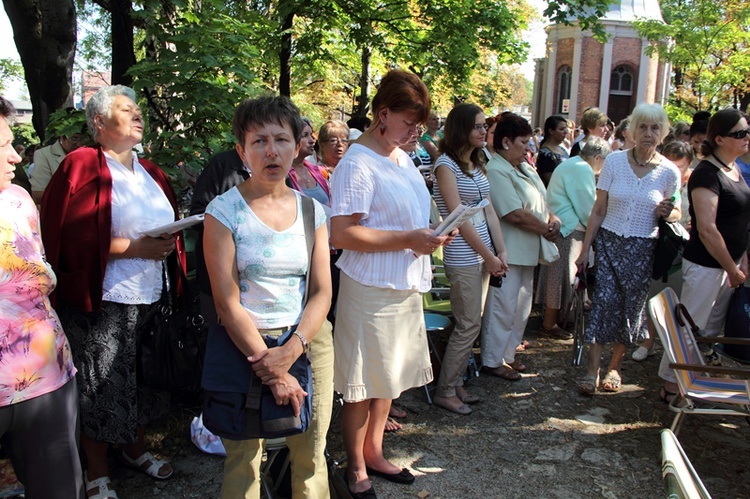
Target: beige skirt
380,342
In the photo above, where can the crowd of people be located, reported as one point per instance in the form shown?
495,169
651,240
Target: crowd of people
354,304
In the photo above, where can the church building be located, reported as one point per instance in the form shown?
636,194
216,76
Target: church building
580,72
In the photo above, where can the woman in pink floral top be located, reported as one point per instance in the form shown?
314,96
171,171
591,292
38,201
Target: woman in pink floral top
38,395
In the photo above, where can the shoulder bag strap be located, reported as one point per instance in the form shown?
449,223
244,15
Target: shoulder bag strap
308,219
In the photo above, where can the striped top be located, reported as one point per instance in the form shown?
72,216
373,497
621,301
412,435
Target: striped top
389,196
470,190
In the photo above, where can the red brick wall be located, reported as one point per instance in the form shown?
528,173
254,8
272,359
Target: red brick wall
590,76
564,58
627,52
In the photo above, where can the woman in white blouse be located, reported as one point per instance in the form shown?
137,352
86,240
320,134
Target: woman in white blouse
380,218
94,211
636,187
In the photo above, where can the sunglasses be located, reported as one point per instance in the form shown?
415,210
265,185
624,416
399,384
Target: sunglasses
739,134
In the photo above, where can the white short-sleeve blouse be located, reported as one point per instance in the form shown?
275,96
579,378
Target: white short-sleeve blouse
632,201
389,196
272,264
138,204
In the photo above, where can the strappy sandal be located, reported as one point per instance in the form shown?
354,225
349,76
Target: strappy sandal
611,382
102,487
588,385
148,464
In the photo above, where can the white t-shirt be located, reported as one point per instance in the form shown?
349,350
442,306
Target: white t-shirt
389,196
272,264
632,201
138,204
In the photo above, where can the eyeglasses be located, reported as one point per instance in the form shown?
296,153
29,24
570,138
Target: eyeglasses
335,140
739,134
483,126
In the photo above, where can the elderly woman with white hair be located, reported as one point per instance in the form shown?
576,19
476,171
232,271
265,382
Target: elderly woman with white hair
636,187
571,194
110,277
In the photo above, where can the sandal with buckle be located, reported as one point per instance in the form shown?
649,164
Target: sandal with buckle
102,487
611,382
148,464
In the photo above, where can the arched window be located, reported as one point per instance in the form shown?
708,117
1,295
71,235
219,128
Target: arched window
620,93
621,82
563,88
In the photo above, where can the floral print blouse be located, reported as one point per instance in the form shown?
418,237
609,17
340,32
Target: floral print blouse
35,355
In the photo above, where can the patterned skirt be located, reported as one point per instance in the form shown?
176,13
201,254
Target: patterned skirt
623,276
104,351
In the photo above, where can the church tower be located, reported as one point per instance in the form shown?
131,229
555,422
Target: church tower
580,72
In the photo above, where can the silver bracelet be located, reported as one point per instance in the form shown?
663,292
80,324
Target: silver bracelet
305,345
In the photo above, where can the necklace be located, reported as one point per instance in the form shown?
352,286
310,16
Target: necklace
305,179
638,163
726,167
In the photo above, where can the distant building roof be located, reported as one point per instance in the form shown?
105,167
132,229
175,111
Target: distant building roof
21,105
630,10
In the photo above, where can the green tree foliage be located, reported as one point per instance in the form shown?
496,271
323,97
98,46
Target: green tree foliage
707,43
586,12
197,69
10,69
24,134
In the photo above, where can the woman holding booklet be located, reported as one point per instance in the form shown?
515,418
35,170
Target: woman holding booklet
380,218
472,257
95,210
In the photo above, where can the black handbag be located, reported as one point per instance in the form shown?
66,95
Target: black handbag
669,247
172,343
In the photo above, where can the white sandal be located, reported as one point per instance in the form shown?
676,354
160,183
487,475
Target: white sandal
152,470
102,486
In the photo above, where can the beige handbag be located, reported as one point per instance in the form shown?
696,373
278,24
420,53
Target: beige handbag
548,252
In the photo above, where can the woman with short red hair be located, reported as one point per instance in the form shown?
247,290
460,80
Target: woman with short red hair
380,217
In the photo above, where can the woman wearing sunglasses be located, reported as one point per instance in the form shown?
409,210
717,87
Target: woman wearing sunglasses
715,258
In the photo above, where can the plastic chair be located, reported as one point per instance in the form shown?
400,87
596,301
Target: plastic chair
716,395
434,323
680,478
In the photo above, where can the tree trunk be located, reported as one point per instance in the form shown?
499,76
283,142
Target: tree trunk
744,101
285,56
45,36
363,101
123,52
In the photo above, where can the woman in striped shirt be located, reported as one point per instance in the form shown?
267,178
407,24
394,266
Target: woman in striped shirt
472,257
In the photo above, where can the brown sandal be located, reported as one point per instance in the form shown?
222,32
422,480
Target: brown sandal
504,372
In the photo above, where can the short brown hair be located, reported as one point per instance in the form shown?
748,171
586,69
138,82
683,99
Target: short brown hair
264,110
511,126
402,91
591,118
